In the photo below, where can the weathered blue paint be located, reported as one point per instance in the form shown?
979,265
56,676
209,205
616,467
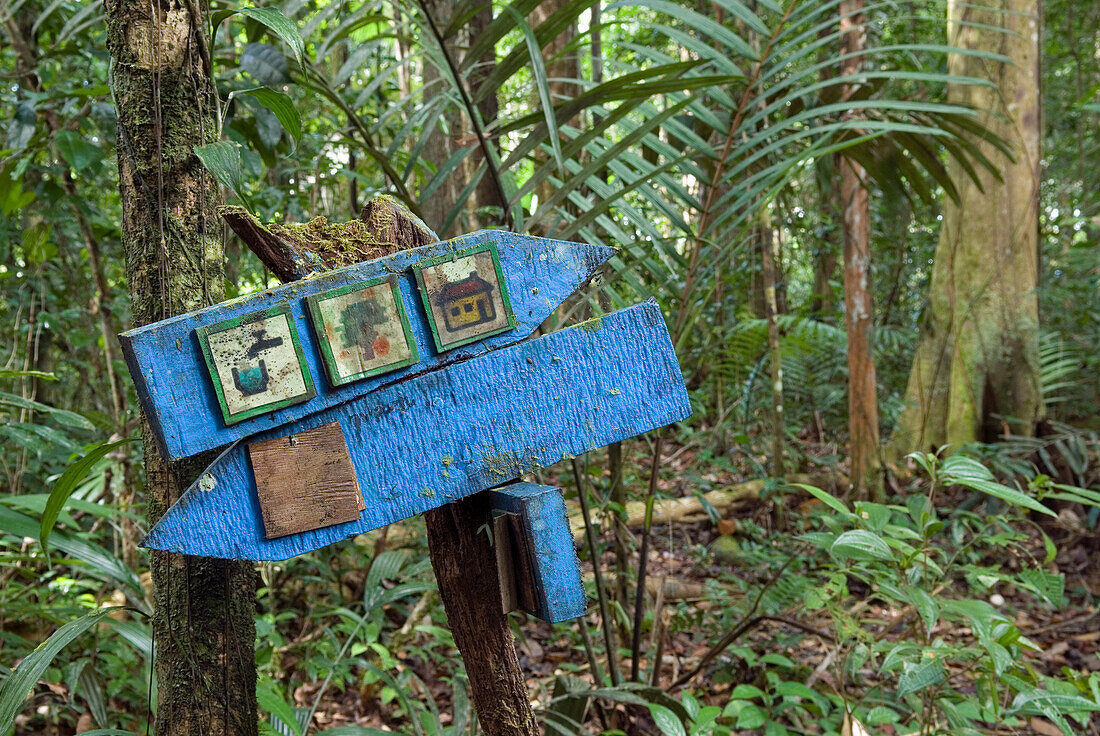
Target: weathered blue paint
438,437
557,572
175,390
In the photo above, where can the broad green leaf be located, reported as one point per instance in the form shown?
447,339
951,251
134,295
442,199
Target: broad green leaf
919,675
276,22
281,105
77,152
1003,492
666,720
68,482
265,63
860,544
1055,706
223,160
271,700
960,466
20,683
925,605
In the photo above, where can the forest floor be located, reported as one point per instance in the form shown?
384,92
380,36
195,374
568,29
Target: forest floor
701,582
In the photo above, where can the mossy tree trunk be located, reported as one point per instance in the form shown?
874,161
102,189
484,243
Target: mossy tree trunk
975,375
203,619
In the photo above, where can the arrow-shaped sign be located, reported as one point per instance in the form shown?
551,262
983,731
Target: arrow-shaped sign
187,412
431,439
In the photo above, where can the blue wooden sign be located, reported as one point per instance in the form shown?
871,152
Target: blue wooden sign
439,436
547,550
509,295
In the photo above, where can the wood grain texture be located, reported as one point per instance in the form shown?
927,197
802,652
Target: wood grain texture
444,435
166,362
305,481
548,546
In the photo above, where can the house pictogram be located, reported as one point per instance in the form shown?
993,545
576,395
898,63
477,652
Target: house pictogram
467,302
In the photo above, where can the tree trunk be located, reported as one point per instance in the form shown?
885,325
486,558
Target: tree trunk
863,439
490,204
975,375
465,568
203,620
560,65
444,140
771,312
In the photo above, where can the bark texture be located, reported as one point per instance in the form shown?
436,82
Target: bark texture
465,568
976,371
863,438
203,619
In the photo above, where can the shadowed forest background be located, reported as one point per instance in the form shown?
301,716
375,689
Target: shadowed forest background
871,227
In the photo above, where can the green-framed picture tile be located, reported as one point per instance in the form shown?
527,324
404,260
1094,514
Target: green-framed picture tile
256,363
465,296
362,330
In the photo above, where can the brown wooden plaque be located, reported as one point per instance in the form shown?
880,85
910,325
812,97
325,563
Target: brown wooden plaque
305,481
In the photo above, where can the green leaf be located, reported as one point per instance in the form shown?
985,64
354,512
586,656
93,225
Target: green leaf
21,681
79,153
826,498
65,417
917,676
271,700
276,22
281,105
100,563
223,160
68,482
538,68
960,466
860,544
1050,586
1054,706
1003,492
666,720
40,375
265,63
925,605
37,247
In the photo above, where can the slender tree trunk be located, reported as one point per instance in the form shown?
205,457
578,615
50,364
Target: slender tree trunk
488,198
975,375
203,620
863,437
465,567
771,313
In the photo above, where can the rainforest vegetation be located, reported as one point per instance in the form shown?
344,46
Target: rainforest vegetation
872,229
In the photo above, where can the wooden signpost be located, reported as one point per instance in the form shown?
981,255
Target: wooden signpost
368,394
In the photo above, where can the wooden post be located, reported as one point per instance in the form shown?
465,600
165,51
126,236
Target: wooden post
459,534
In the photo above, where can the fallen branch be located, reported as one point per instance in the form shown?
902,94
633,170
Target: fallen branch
667,510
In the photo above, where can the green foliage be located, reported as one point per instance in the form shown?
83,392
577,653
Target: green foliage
708,128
